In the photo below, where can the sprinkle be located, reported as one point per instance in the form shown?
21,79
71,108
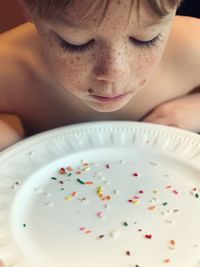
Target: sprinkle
156,192
53,178
88,183
78,172
80,181
74,194
85,169
62,171
82,229
24,225
135,174
69,174
100,191
175,192
172,244
197,195
128,253
125,224
152,207
88,232
107,166
100,214
70,169
68,198
141,192
168,187
61,182
148,236
167,261
165,204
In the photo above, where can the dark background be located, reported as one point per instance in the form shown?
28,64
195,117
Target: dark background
11,14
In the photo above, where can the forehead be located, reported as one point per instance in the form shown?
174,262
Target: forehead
97,13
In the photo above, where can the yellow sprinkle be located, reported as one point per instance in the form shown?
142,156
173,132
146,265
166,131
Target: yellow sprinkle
135,201
68,198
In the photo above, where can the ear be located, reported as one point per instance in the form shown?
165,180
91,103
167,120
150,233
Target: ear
26,10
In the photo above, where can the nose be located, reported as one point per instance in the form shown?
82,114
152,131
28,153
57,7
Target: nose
112,66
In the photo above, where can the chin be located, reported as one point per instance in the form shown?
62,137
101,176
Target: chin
105,108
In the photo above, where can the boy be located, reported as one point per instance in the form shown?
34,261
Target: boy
90,60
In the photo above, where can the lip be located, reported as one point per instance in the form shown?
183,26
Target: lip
109,98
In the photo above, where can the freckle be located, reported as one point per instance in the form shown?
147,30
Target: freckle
78,58
119,2
90,91
142,82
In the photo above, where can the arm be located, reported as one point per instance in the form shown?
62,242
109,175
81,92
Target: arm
11,130
183,112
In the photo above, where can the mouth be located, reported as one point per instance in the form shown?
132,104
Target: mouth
109,98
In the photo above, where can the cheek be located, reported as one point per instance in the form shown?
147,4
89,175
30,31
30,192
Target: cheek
71,73
70,70
146,62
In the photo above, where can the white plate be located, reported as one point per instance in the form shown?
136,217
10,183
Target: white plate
147,206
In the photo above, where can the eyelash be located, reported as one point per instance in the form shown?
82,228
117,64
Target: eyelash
89,45
77,48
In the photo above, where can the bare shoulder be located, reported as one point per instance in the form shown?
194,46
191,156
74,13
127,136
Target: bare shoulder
184,43
18,61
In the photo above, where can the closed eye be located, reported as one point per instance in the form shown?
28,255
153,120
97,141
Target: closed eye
146,44
76,48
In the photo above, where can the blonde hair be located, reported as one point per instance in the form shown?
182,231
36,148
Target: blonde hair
47,8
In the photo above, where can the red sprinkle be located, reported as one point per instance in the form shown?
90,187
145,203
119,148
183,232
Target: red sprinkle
135,174
62,171
148,236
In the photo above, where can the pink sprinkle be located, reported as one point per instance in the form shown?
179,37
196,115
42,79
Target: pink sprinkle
168,187
82,228
141,192
136,197
100,214
175,192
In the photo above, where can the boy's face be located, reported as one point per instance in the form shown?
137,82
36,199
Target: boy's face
104,65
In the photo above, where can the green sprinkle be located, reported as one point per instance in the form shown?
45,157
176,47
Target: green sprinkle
197,195
69,174
62,189
81,182
125,224
53,178
165,203
24,225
